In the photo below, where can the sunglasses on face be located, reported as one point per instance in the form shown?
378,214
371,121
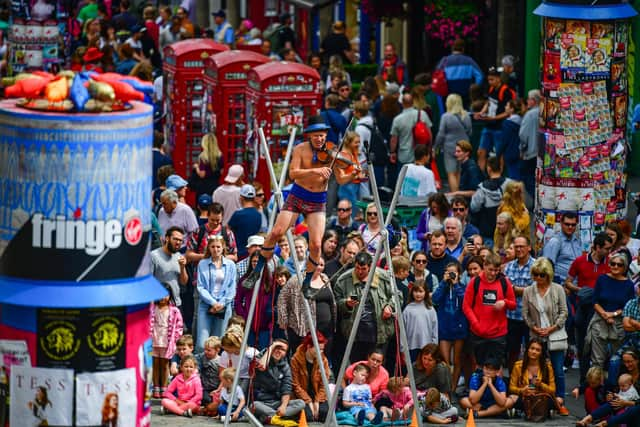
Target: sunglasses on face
372,213
344,209
541,275
459,209
616,264
569,224
420,261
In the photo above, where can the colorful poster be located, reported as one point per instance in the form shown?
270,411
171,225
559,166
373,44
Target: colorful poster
41,397
618,75
598,58
578,28
13,353
621,39
106,398
551,67
554,29
619,110
602,30
572,56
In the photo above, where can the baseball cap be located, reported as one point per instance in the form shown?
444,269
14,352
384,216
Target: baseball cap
204,201
493,71
234,173
255,240
248,191
175,182
220,14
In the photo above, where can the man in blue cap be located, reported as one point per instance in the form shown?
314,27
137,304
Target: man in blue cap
310,171
223,31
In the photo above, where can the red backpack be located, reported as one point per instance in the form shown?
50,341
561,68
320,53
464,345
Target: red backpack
421,132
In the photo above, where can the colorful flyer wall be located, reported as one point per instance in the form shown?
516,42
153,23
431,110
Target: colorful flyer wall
584,125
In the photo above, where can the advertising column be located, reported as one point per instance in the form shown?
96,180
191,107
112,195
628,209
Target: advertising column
583,119
75,282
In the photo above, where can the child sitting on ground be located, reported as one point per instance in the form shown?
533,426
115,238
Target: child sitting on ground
396,402
357,397
184,348
594,393
236,410
209,371
188,388
438,408
626,392
487,392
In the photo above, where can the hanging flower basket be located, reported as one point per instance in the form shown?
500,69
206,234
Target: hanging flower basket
448,20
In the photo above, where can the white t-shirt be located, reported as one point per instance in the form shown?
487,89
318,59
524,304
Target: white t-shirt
418,182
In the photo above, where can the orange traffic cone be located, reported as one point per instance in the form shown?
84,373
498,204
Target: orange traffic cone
302,422
470,421
414,419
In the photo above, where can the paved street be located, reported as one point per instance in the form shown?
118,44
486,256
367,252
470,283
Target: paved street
576,407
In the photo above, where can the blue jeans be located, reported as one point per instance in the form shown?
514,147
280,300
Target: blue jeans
378,171
629,343
209,324
557,362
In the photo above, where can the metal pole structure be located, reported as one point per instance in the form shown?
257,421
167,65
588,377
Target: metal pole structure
396,301
363,297
307,309
256,288
277,193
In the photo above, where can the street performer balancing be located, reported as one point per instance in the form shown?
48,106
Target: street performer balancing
311,166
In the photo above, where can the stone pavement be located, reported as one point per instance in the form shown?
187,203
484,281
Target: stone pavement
576,407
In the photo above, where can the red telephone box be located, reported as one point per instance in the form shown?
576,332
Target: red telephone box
225,79
183,98
280,95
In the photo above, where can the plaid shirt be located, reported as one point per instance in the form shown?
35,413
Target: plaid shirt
520,277
632,310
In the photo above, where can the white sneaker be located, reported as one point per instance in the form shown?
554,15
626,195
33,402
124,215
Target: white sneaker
163,411
222,418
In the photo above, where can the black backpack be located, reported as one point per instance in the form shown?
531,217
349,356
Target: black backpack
476,286
378,150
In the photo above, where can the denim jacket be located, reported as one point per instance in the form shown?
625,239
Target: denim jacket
206,279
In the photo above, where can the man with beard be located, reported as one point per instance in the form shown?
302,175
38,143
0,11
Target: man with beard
169,266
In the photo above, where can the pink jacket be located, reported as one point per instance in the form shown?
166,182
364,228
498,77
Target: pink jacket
174,330
189,390
399,400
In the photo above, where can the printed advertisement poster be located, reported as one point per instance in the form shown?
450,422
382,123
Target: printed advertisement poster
554,30
106,398
572,56
89,339
41,397
598,58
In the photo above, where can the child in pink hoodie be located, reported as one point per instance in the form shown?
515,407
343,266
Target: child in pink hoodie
188,387
396,402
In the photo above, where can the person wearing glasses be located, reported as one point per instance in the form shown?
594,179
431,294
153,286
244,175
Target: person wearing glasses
564,247
460,209
631,325
371,229
519,273
343,222
273,386
612,291
376,323
544,310
585,270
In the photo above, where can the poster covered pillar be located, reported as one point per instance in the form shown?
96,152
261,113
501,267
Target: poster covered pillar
584,142
75,280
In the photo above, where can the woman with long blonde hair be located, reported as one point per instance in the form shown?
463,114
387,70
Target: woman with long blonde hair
455,125
504,234
206,172
513,202
351,166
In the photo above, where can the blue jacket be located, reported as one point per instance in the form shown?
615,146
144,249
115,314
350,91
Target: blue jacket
452,323
461,71
206,279
338,125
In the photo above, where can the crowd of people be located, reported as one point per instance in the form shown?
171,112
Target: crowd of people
491,321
